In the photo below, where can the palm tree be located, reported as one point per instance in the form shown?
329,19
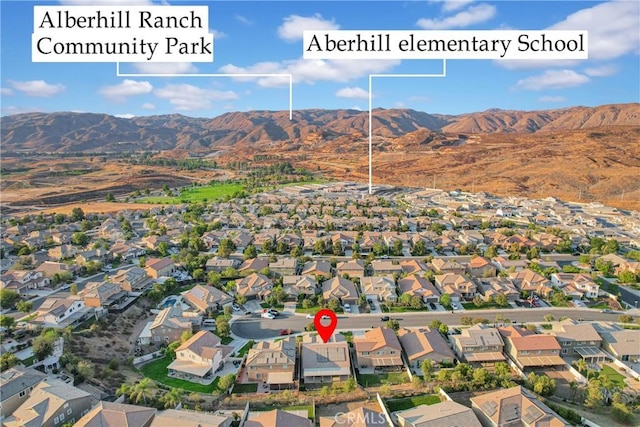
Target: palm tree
124,389
582,365
172,398
142,390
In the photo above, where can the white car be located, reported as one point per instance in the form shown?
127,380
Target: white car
347,308
268,315
311,316
236,307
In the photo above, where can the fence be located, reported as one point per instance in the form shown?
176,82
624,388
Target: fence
147,357
385,411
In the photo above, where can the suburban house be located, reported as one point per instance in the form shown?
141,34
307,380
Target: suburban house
425,343
51,403
379,348
111,414
456,285
443,414
153,242
385,267
284,266
198,358
253,265
62,252
317,268
220,264
102,294
359,417
278,418
442,266
415,285
578,339
479,344
352,268
325,362
515,406
380,288
60,312
413,267
204,298
272,363
168,326
494,286
531,282
159,267
344,290
624,344
576,285
255,285
530,350
294,286
131,280
505,264
175,417
15,385
22,281
481,267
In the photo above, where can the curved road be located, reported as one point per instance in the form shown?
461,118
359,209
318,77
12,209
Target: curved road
256,327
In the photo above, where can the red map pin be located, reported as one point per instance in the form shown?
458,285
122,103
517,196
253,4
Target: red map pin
325,332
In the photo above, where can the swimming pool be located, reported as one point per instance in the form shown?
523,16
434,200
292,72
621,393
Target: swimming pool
168,302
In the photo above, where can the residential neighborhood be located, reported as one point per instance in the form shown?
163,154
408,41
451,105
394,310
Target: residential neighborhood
205,312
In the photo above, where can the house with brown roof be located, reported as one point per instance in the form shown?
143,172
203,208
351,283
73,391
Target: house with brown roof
481,267
344,290
272,363
385,267
504,263
413,266
51,403
284,266
294,286
15,385
425,343
531,282
494,286
443,414
102,294
133,279
175,418
381,288
456,285
255,285
278,418
168,326
317,268
352,268
576,285
415,285
218,264
198,358
579,339
325,362
379,348
479,345
530,350
624,344
253,265
22,281
515,406
111,414
443,266
359,417
161,267
205,298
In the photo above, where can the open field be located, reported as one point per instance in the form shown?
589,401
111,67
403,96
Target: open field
100,207
196,194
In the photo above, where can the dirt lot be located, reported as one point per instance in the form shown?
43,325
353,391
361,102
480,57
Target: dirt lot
99,207
331,410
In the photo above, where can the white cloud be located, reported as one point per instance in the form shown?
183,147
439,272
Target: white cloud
451,5
601,71
120,92
12,109
244,20
311,71
165,67
352,92
217,34
293,27
552,99
399,104
38,88
5,91
356,107
185,97
552,79
473,15
125,116
148,106
613,32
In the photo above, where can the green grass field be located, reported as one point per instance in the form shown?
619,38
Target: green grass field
245,388
616,377
411,402
157,371
196,194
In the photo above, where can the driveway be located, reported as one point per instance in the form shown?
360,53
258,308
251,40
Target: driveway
253,306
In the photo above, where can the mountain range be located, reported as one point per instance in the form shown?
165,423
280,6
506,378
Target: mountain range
75,132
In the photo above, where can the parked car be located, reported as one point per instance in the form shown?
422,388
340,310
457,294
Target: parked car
455,306
432,306
274,311
268,315
311,316
286,332
247,312
384,319
236,307
347,308
606,310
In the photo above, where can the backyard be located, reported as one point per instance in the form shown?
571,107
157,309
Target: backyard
616,377
374,380
157,371
411,402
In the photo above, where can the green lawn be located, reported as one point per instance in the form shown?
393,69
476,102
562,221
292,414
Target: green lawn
157,371
308,310
600,306
245,348
616,377
245,388
400,309
226,340
487,305
374,380
412,402
196,194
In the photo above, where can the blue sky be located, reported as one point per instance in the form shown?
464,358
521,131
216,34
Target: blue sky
266,36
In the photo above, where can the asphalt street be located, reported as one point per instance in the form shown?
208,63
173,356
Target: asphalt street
255,327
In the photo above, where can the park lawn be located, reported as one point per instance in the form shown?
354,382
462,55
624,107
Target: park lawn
197,194
244,388
374,380
487,305
245,348
157,371
616,377
412,402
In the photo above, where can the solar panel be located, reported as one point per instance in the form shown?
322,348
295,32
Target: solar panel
511,412
534,412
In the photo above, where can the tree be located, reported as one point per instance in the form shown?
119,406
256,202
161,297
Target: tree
350,385
226,247
296,252
419,248
250,252
170,351
24,306
621,412
478,301
8,360
393,324
319,247
240,299
427,368
186,335
223,330
445,300
163,249
549,318
142,390
110,198
337,248
396,248
73,289
481,377
172,398
77,214
491,252
8,298
595,396
85,368
625,318
226,382
541,384
443,329
43,345
627,277
7,322
501,300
